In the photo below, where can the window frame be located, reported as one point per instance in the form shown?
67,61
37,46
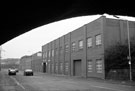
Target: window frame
49,53
52,52
89,65
66,67
97,41
73,46
56,66
99,65
88,42
66,48
80,44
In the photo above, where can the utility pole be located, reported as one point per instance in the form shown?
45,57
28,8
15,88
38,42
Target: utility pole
129,52
129,46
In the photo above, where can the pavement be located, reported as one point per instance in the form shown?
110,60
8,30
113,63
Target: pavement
128,83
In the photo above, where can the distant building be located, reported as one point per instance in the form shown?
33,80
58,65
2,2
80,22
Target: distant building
10,63
36,62
25,63
82,51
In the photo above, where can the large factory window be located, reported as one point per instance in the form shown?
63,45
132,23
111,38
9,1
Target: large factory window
73,46
52,53
66,48
89,65
56,69
81,44
98,39
99,65
89,42
66,67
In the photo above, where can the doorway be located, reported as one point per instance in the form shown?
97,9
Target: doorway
77,68
44,67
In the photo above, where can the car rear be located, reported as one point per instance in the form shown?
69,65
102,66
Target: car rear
28,72
11,72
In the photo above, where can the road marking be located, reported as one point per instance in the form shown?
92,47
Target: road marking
17,82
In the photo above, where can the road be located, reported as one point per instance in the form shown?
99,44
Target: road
45,82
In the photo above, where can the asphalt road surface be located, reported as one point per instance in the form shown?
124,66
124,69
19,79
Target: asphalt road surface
45,82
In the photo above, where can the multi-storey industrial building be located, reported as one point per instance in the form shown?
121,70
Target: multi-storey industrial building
25,63
82,51
36,62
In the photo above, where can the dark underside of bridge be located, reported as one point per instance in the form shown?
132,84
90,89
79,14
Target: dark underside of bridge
18,17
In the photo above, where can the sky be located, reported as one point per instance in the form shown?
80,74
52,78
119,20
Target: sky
32,41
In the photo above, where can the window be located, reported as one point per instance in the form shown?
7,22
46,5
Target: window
81,44
61,66
73,46
99,65
66,48
98,39
56,69
49,53
89,65
66,67
89,42
52,53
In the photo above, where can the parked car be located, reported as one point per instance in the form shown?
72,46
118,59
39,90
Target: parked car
11,71
16,70
28,72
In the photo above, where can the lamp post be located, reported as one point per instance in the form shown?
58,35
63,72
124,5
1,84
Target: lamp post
129,46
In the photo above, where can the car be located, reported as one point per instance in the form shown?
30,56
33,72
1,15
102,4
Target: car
11,71
28,72
16,70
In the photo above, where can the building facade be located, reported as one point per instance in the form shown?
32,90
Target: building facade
81,52
25,63
36,62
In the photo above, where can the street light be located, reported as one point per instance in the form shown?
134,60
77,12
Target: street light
129,49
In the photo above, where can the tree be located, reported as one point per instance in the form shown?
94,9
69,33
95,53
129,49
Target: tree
116,56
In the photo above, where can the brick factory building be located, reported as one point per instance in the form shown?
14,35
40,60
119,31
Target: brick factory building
82,51
25,63
36,62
